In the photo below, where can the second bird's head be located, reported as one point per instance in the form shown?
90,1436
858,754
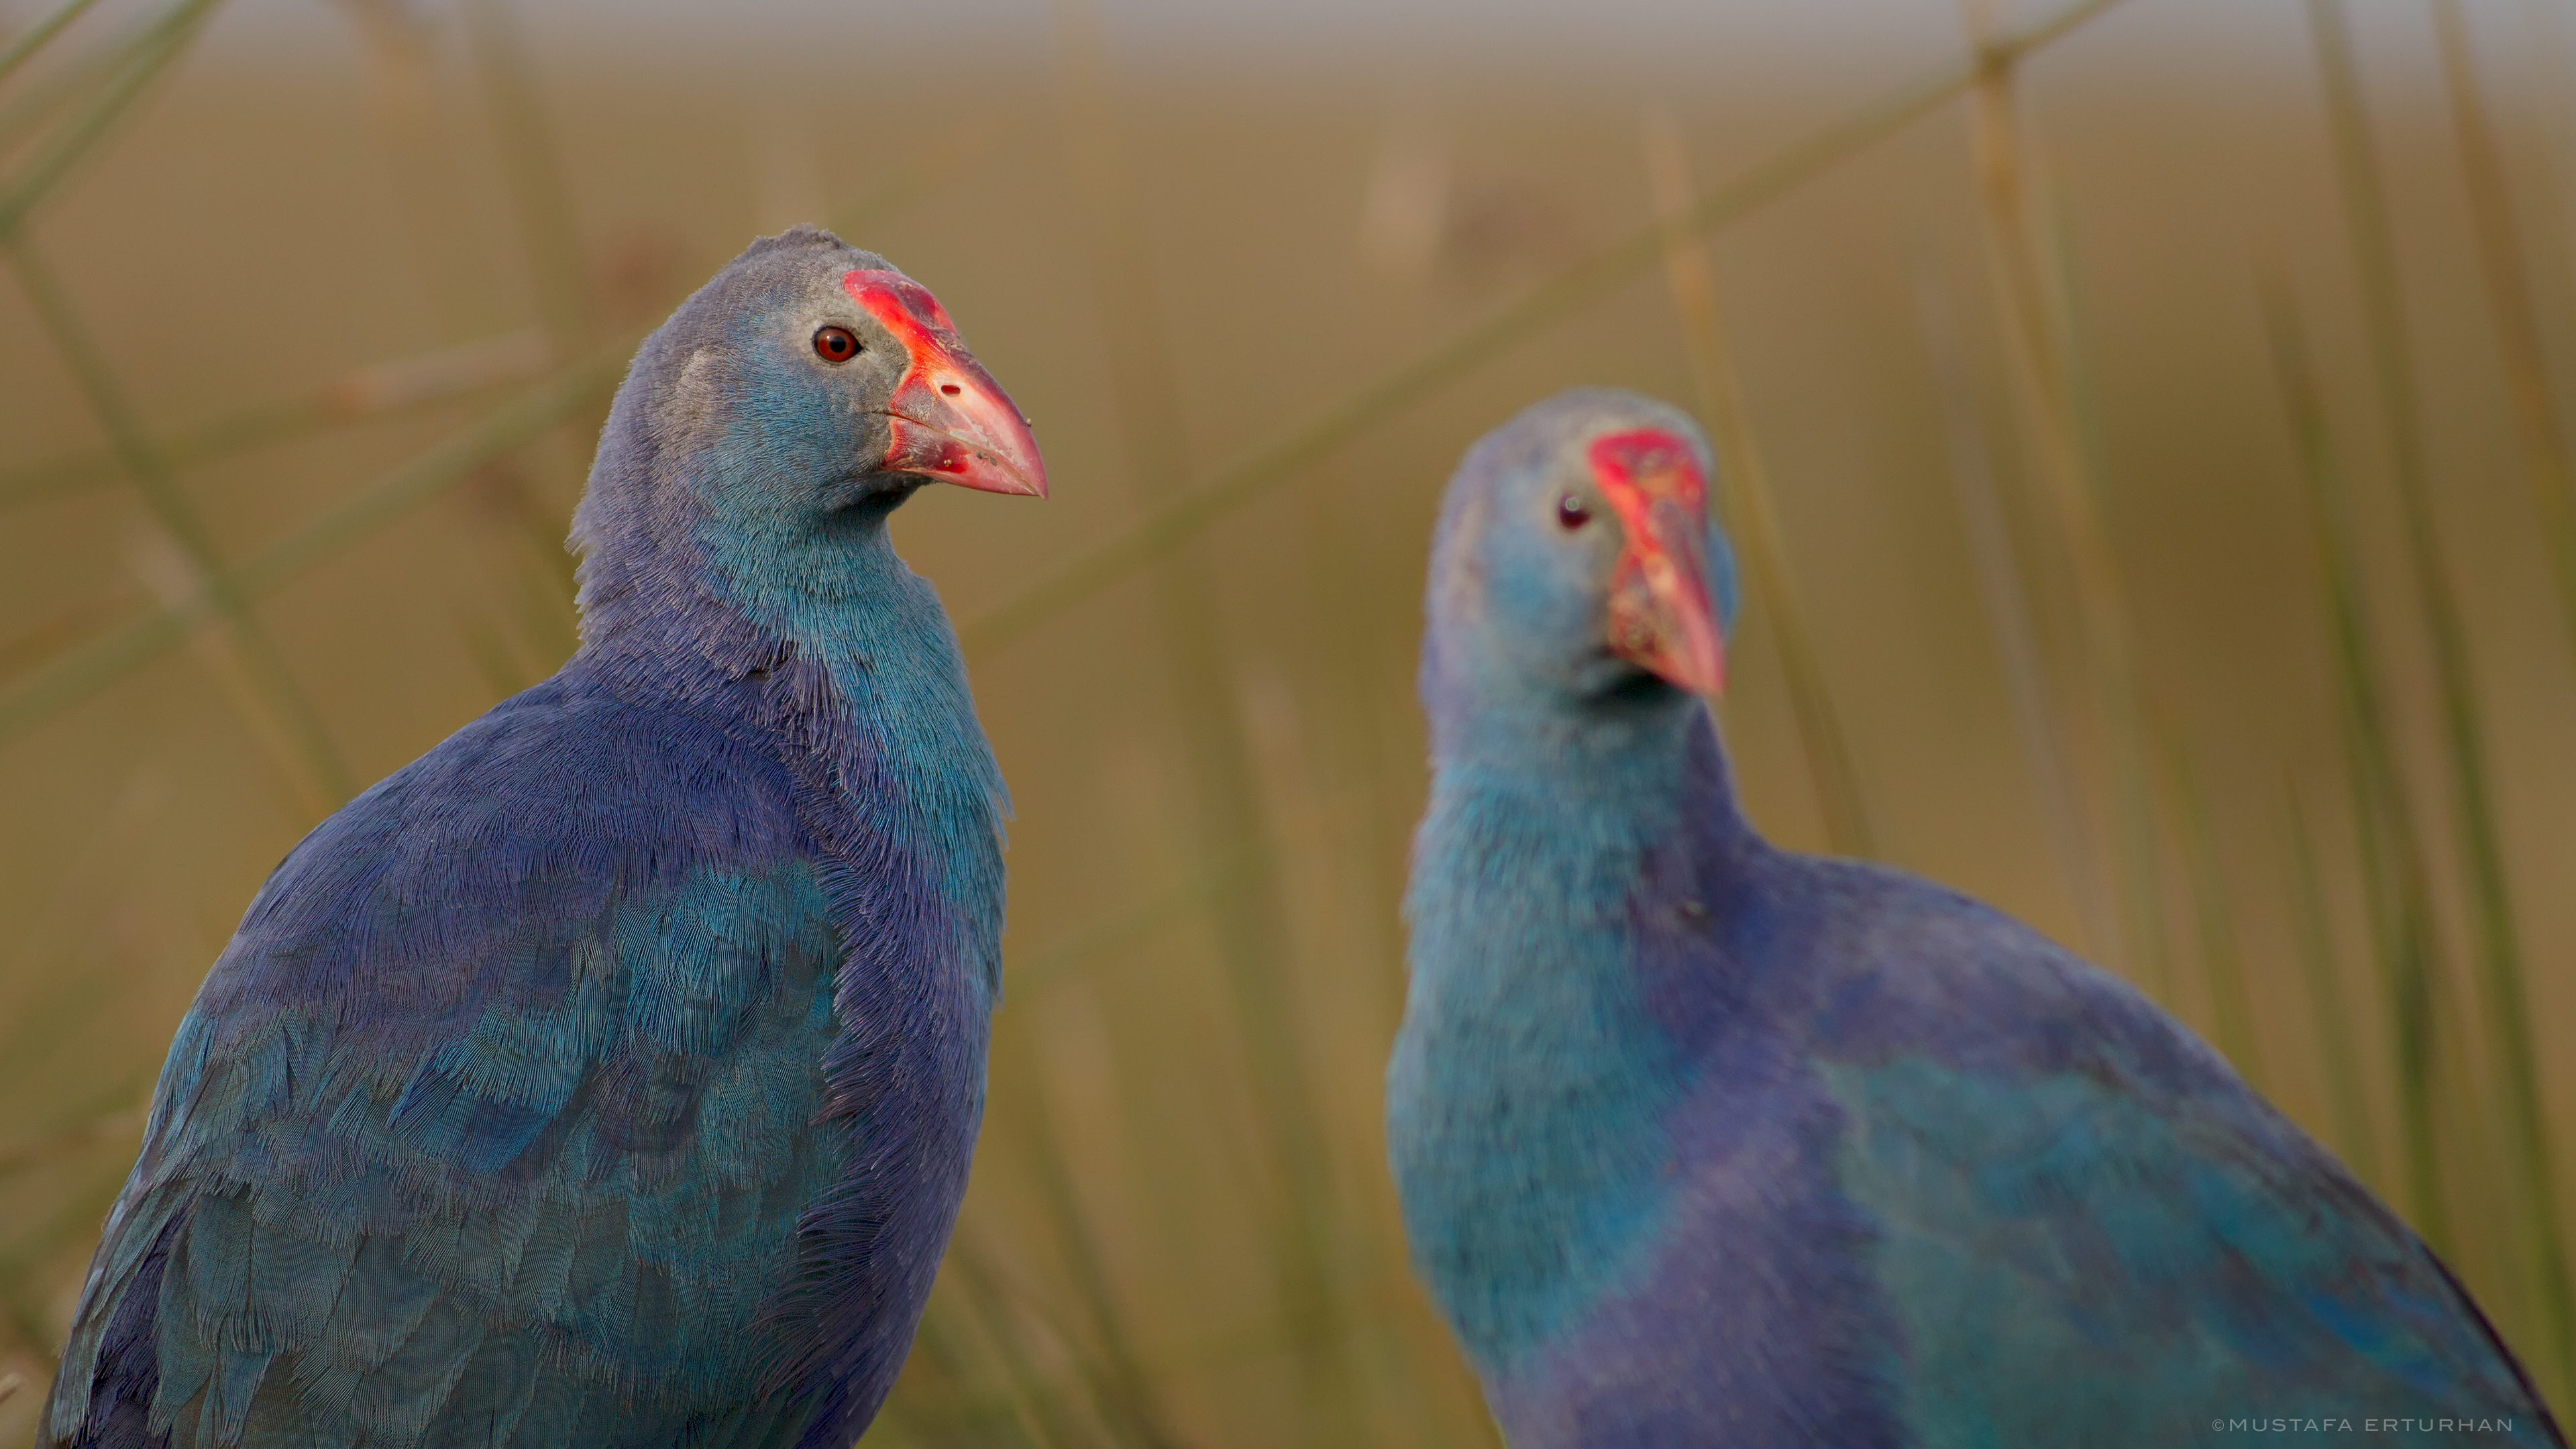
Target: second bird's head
1576,563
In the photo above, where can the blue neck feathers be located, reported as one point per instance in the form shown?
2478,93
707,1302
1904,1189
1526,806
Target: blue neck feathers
811,632
1538,914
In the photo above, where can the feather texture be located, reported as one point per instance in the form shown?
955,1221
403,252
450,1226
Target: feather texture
609,1075
1704,1142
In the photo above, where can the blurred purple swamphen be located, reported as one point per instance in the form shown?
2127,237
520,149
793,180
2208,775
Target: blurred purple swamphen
1701,1142
608,1076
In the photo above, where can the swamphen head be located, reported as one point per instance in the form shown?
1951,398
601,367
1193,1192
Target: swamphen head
774,422
1576,571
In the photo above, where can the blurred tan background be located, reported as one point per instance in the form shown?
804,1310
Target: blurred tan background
268,319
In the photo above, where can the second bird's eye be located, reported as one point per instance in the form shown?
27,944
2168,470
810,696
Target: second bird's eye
835,344
1571,513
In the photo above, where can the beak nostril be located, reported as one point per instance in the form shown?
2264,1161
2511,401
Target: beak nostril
950,388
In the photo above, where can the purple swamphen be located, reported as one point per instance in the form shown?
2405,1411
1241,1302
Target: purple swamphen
608,1075
1701,1142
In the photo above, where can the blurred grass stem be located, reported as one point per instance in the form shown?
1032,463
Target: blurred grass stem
2230,1005
154,47
264,667
2514,307
362,395
2394,873
73,677
2006,599
1125,927
108,658
540,188
1744,492
2036,331
1118,1382
35,37
1250,917
420,163
2318,959
1165,525
2500,974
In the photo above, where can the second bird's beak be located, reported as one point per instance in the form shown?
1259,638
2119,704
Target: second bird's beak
1660,615
950,421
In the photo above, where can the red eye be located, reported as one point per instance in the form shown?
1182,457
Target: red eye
1571,513
835,344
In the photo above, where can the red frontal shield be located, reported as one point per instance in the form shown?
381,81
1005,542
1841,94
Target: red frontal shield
1660,615
952,422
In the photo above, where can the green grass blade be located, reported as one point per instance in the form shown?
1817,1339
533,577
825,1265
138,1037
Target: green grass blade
540,192
1002,1417
40,100
73,677
2513,306
2006,602
1118,1382
1745,495
2497,944
2525,1127
384,389
158,44
1224,800
31,646
77,676
1038,1408
540,188
1129,926
2324,978
2393,870
37,36
271,683
1166,525
1374,825
2056,402
2053,221
421,159
2230,1006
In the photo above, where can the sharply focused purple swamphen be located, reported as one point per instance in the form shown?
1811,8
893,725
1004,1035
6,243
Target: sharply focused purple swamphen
608,1076
1701,1142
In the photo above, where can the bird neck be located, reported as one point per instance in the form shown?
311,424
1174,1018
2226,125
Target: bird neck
821,640
1629,762
1562,910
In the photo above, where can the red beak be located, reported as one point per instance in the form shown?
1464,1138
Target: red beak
1660,614
951,421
